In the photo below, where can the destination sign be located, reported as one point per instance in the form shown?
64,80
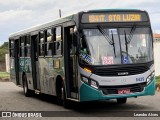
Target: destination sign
113,17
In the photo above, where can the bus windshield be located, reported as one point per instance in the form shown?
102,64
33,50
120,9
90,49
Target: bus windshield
109,46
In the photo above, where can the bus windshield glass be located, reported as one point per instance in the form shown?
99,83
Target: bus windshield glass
110,46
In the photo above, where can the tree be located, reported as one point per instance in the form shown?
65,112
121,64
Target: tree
3,51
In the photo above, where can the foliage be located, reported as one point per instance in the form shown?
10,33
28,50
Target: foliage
157,81
4,75
157,77
3,51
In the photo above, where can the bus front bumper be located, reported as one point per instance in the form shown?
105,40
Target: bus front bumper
88,93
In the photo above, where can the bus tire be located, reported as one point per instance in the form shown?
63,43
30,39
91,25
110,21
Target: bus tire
61,94
121,100
59,91
26,91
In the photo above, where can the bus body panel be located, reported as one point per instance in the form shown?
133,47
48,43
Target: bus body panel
48,73
88,93
28,72
21,69
123,80
25,68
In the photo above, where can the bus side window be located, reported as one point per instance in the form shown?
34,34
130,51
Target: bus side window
12,53
58,41
22,48
49,43
11,47
41,43
58,47
28,46
50,49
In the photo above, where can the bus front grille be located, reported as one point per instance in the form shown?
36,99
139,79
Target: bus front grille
114,89
129,70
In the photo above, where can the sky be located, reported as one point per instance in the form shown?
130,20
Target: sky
16,15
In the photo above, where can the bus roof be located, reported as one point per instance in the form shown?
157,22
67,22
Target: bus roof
64,19
109,10
42,26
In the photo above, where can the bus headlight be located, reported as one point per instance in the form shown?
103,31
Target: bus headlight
150,77
94,84
90,82
84,79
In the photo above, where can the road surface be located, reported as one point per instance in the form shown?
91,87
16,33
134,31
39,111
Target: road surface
12,99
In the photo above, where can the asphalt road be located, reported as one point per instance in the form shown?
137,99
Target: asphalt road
12,99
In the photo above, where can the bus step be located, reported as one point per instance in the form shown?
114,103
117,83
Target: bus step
72,99
37,92
19,85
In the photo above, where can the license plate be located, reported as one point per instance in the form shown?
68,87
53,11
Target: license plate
124,91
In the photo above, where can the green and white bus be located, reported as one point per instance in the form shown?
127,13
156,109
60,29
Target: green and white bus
88,56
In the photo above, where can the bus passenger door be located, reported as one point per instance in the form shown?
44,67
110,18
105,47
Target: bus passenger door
16,55
70,63
34,60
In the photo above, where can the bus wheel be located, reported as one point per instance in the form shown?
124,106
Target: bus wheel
121,100
26,91
61,94
59,89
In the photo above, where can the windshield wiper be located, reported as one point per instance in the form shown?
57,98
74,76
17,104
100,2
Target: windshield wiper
131,34
126,42
105,35
113,44
110,41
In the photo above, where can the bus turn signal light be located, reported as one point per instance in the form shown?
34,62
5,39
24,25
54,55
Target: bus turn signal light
86,69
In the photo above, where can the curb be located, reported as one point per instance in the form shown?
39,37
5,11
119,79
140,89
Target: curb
4,80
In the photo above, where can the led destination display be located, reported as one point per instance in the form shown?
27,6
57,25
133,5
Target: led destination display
113,17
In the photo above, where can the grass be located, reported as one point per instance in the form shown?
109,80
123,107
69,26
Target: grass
4,75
